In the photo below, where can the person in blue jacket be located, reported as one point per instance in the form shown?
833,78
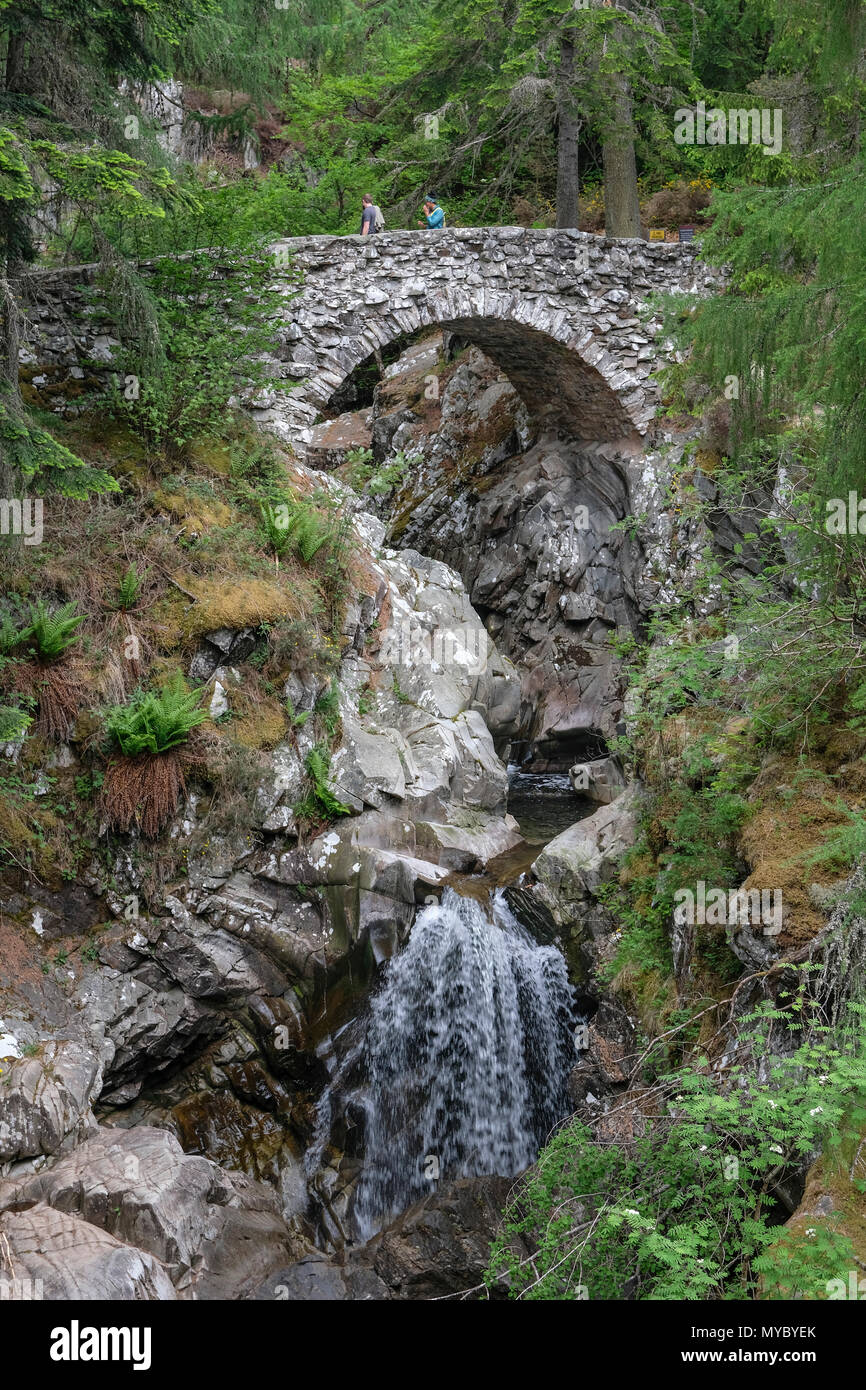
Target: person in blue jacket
433,214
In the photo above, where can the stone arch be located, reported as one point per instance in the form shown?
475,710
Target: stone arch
567,379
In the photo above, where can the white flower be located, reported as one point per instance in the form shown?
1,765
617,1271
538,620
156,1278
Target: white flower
774,1148
819,1110
810,1230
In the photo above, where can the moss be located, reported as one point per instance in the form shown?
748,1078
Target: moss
213,455
197,513
262,725
237,602
795,807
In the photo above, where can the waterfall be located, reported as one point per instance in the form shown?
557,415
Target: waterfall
466,1056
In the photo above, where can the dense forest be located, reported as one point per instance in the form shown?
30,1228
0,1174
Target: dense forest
198,685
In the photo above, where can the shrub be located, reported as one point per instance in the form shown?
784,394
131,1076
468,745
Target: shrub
683,1210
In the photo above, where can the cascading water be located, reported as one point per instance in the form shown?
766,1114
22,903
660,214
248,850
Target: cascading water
467,1052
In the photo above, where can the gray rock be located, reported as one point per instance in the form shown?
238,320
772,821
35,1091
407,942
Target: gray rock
61,1257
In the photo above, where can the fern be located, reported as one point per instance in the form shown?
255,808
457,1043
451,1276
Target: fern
153,723
295,527
52,634
297,720
318,766
328,708
14,723
129,589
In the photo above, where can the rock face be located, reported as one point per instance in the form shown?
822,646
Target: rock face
439,1248
159,1093
134,1203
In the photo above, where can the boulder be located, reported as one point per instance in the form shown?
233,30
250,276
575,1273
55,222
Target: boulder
45,1100
53,1255
571,867
215,1234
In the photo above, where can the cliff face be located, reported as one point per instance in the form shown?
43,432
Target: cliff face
188,982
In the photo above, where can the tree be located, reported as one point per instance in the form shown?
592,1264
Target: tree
62,138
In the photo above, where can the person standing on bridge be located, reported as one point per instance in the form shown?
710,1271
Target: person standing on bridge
371,216
433,214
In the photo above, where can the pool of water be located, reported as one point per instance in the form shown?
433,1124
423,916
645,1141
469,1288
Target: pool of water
544,804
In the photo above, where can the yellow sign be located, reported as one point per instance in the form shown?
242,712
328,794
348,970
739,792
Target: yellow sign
657,234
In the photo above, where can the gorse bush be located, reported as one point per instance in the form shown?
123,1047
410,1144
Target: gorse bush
155,723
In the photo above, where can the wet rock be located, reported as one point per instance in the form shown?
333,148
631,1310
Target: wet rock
439,1248
572,867
601,779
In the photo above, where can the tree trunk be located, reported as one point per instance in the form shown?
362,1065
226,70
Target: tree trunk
568,132
621,207
10,339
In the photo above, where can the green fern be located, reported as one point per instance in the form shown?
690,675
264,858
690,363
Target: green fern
129,589
297,720
295,527
13,723
10,634
52,634
318,766
152,723
328,708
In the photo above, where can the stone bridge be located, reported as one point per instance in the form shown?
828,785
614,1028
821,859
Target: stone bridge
562,313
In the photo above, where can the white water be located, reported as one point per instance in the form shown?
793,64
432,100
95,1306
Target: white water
466,1056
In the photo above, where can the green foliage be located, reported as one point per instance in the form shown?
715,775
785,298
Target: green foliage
51,634
14,723
364,475
189,363
328,708
684,1211
295,527
398,692
155,722
40,462
297,720
129,589
318,768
